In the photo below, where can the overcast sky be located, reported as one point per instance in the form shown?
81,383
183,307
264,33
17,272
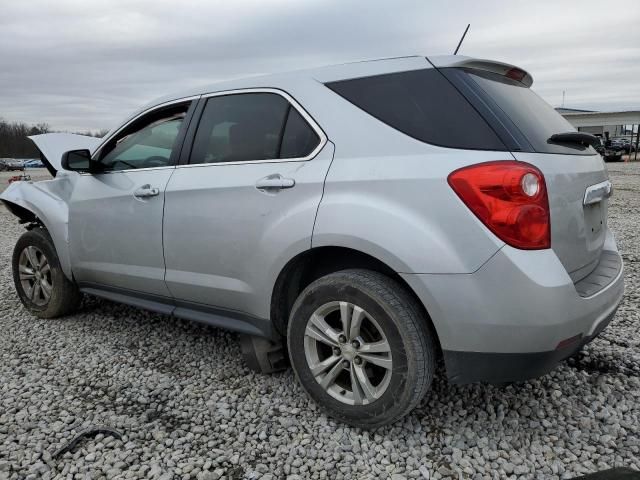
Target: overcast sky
81,65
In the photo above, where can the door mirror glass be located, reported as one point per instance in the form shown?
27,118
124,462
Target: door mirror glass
77,161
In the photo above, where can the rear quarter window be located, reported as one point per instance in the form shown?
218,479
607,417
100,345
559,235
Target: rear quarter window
422,104
298,139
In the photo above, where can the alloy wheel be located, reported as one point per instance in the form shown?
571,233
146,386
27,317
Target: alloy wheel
35,275
348,353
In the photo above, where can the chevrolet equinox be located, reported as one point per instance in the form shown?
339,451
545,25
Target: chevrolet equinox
365,220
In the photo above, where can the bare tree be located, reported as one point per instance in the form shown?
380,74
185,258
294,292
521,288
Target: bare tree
15,144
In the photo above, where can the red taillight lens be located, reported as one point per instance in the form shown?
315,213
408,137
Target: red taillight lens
511,200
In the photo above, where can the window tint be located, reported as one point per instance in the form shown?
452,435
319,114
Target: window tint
531,115
149,142
422,104
299,139
240,127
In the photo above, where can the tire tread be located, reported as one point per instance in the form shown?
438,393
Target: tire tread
67,299
409,313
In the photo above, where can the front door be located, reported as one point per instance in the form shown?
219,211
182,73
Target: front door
115,217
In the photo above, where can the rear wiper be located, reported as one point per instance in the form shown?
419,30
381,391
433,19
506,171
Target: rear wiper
574,137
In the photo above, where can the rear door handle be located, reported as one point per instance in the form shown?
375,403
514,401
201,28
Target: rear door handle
146,191
275,182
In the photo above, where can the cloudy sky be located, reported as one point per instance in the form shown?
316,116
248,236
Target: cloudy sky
81,65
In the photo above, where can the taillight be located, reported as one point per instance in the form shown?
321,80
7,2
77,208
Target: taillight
510,198
516,74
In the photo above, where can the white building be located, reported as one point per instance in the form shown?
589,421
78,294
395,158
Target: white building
615,124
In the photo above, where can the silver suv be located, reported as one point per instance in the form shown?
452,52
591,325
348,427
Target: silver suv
364,220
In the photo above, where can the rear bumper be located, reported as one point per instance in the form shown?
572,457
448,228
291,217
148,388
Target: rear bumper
516,317
470,367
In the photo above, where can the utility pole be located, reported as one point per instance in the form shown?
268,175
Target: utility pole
635,155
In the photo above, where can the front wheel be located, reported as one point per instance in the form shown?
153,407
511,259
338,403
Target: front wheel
361,347
43,288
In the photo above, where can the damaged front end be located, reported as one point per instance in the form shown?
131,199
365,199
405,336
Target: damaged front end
46,202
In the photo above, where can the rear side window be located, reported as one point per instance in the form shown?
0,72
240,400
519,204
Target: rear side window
422,104
531,115
299,139
251,126
236,128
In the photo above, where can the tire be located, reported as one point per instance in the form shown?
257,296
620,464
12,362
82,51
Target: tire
63,297
388,314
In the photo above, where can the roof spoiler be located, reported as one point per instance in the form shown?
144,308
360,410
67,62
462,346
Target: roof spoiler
505,69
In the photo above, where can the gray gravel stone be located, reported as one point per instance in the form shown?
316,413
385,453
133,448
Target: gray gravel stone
189,408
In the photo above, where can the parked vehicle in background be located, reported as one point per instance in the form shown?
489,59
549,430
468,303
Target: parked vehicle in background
19,178
613,154
608,153
373,217
616,143
624,144
33,163
10,164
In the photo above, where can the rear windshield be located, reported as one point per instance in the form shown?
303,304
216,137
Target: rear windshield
534,118
422,104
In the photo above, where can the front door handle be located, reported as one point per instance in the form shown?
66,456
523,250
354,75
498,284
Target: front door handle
275,182
146,191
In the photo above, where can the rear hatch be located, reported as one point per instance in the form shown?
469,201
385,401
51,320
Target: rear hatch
577,230
526,123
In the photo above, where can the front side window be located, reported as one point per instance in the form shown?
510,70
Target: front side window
149,142
251,126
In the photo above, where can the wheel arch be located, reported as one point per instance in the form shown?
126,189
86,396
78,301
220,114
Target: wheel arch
34,205
316,262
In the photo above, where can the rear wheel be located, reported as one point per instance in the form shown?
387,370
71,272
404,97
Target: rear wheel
43,288
361,347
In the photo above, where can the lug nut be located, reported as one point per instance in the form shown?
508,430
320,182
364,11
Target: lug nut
355,344
357,360
336,351
345,364
342,339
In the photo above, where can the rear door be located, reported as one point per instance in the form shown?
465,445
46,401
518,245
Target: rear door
115,216
247,199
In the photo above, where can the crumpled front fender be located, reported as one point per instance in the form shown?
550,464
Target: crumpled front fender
47,201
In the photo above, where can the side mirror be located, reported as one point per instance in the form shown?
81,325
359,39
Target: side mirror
78,161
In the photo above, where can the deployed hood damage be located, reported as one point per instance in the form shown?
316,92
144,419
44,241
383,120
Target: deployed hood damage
53,145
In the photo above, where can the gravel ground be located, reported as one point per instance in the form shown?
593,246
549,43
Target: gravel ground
188,407
36,175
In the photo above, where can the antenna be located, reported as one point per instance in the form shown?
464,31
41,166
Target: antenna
563,92
460,42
